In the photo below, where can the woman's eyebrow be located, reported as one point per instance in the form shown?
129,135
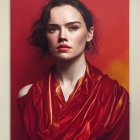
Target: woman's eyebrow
55,25
73,22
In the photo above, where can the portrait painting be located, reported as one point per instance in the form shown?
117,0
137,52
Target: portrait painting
111,53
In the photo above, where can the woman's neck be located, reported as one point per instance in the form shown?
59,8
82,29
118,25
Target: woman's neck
70,71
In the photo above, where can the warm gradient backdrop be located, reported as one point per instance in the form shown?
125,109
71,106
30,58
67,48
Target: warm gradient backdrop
112,18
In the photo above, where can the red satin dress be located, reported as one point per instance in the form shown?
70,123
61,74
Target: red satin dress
97,109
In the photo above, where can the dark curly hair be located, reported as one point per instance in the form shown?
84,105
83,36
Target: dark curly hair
39,29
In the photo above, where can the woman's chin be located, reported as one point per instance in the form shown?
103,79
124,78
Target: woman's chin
67,57
62,57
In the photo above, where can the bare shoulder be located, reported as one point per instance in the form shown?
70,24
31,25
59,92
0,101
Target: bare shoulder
23,91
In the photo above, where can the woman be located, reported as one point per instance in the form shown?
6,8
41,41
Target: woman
74,100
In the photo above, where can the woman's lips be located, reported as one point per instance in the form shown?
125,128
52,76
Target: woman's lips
63,48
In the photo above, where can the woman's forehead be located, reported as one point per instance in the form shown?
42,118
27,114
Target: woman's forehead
65,13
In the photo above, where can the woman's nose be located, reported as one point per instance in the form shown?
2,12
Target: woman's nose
63,34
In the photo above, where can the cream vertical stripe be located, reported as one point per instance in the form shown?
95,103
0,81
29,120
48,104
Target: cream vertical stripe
134,69
5,69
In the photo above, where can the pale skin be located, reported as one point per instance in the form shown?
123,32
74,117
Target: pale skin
66,26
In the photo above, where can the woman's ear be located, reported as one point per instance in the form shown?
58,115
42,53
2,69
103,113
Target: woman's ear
90,34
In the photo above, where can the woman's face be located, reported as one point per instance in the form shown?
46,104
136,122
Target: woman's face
67,33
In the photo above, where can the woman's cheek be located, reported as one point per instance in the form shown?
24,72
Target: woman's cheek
80,39
51,41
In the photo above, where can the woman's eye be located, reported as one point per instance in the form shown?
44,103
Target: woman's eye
52,30
73,28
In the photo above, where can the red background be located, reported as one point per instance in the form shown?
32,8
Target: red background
112,20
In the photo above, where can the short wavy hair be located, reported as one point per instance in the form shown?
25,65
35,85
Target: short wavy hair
39,28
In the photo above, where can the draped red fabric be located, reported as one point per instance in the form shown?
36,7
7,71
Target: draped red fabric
97,109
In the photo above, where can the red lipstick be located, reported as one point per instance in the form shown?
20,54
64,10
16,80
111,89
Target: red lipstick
63,48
